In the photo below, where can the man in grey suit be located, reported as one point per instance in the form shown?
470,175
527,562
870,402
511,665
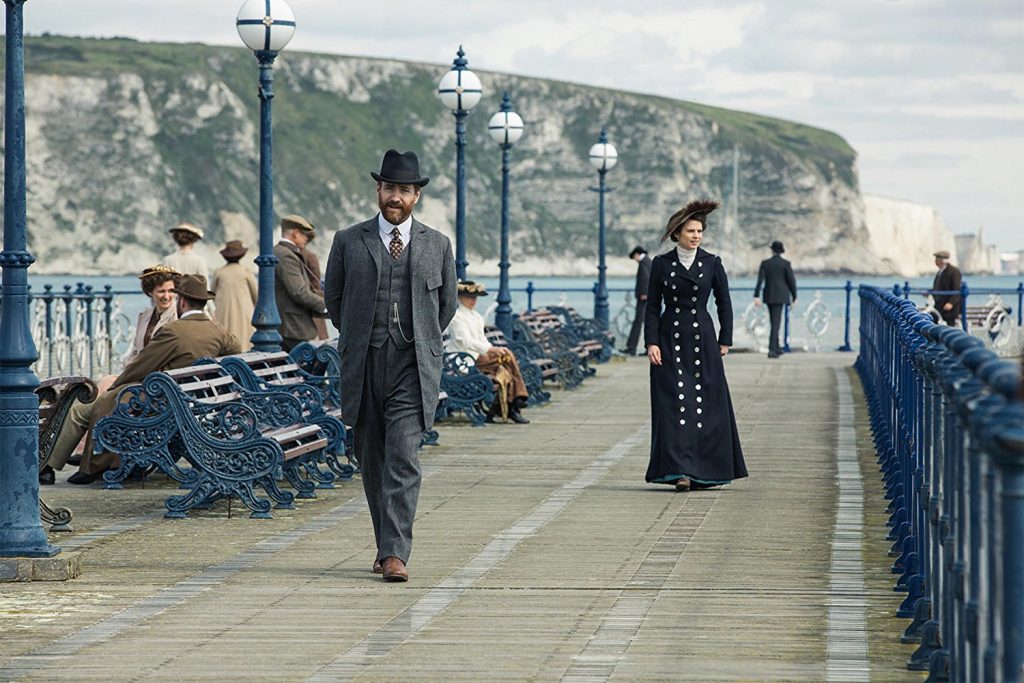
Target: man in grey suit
390,290
297,303
779,285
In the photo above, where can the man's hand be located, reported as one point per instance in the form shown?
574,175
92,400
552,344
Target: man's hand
643,297
793,305
724,350
947,306
757,301
654,354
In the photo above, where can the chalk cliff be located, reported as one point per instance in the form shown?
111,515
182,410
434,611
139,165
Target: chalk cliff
905,235
127,138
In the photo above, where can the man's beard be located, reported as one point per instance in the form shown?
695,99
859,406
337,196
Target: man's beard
389,213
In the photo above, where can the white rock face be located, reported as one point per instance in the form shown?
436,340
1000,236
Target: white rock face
904,235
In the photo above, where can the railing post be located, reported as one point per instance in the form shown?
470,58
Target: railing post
108,299
69,326
964,292
529,296
90,341
846,319
906,289
1009,458
48,302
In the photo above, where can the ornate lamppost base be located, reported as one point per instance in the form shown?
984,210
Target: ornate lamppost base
63,567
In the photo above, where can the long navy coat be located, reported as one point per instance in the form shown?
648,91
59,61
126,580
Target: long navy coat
693,425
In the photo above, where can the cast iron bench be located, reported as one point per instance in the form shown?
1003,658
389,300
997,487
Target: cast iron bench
234,440
570,358
467,389
56,396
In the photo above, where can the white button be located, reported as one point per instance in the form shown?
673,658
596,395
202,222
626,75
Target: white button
677,359
680,397
680,385
677,310
682,422
677,348
695,288
700,426
677,335
699,411
673,273
698,387
696,374
700,264
673,286
696,336
696,362
699,399
701,275
696,325
693,310
692,298
676,323
697,349
675,298
682,409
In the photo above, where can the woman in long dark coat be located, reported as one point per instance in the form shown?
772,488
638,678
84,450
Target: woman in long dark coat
694,442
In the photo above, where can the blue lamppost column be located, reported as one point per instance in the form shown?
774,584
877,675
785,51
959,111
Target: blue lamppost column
266,26
21,533
505,127
603,157
460,90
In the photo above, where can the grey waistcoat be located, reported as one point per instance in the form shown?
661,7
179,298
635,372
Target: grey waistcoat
393,287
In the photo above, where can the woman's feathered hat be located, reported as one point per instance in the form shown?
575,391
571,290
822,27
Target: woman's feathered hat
470,288
697,210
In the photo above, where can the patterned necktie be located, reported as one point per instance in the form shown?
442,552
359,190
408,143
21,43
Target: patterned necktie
395,248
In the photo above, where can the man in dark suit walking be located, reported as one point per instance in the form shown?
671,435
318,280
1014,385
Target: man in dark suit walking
776,274
390,290
947,280
298,303
643,274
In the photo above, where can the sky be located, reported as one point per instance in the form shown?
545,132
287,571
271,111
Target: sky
929,92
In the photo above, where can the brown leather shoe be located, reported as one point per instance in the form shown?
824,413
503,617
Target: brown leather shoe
394,570
378,566
682,484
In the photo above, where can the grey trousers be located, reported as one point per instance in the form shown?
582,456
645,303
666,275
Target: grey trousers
387,438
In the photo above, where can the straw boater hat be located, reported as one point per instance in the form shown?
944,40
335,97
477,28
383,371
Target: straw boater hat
942,254
194,287
470,288
188,227
233,250
296,222
159,269
696,210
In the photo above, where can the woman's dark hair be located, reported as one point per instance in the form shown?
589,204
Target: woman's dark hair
151,282
674,235
183,238
233,259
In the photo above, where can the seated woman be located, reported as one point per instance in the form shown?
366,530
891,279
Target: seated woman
157,283
466,333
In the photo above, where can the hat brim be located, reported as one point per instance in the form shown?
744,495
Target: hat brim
233,253
210,296
420,182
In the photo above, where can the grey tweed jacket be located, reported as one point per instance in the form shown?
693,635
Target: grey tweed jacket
350,286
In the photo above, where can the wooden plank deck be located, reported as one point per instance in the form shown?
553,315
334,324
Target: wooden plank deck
540,554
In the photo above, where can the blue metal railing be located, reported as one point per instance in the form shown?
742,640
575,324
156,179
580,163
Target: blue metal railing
948,425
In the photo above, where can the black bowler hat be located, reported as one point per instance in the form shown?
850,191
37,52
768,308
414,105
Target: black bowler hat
777,247
400,169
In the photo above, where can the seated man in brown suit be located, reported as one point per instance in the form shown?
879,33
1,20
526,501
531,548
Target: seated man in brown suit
175,345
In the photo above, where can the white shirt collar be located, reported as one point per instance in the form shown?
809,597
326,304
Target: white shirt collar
285,239
193,312
384,228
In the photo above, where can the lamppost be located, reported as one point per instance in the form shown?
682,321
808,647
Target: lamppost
603,157
505,127
21,533
460,90
266,26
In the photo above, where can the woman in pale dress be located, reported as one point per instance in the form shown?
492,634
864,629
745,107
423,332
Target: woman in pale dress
236,290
